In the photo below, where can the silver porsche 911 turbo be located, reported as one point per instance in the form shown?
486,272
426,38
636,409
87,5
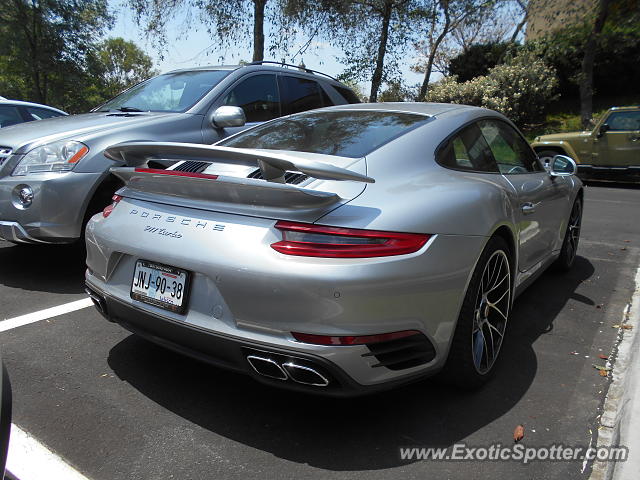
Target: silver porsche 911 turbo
342,250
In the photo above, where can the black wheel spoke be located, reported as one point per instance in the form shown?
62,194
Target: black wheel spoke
490,315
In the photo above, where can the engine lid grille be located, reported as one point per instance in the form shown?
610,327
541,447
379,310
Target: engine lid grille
192,166
292,178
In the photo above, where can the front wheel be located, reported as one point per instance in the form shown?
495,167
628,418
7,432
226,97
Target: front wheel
571,238
482,322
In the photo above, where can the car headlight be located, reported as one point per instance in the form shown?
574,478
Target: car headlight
59,156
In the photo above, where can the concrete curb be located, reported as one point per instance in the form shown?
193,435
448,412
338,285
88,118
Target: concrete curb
620,421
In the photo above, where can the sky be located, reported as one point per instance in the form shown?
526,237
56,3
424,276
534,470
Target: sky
195,49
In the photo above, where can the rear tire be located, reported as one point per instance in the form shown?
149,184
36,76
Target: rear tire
483,318
571,238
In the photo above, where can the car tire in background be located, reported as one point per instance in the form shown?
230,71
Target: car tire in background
546,156
483,318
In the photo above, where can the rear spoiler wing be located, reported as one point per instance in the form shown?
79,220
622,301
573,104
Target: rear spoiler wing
272,165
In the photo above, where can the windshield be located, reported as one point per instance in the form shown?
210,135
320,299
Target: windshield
171,92
344,133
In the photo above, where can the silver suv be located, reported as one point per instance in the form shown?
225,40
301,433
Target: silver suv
54,175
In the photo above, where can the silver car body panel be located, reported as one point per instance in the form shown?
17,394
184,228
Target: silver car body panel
246,290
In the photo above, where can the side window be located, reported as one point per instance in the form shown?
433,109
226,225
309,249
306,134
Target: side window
258,96
301,94
467,150
9,116
347,94
624,121
41,113
512,154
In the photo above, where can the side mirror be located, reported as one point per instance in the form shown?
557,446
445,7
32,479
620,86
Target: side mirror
562,166
604,128
228,116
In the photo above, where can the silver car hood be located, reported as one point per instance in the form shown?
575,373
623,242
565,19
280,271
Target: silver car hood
22,137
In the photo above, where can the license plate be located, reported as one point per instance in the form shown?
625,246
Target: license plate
160,285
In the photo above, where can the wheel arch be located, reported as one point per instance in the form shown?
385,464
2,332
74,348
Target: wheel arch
100,196
563,148
508,235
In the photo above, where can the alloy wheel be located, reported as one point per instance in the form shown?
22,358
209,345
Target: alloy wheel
573,231
491,312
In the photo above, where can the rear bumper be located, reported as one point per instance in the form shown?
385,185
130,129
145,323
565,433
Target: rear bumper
231,353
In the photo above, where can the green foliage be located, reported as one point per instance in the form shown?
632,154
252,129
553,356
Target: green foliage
477,60
45,46
117,64
616,67
397,91
520,89
229,22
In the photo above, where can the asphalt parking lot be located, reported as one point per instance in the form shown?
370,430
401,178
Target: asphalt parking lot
116,407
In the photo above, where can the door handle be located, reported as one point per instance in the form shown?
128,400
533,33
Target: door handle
529,207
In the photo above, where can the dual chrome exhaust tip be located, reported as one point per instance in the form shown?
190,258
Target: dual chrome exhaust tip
289,370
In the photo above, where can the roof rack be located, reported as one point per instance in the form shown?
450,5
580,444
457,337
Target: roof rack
282,64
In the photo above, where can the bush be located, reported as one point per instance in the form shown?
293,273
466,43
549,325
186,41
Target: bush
520,89
477,60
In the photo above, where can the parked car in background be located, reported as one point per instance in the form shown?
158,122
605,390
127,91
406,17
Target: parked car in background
54,176
343,250
610,151
13,112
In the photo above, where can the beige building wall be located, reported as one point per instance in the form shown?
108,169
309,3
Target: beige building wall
547,16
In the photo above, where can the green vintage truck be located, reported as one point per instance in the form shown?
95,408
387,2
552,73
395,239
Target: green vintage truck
610,151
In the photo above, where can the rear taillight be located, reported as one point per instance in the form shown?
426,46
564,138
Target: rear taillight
108,209
352,340
309,240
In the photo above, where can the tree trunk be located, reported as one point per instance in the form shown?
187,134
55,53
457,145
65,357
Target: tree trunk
424,89
586,72
258,29
376,79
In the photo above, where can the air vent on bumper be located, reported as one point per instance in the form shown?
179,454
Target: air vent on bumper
402,353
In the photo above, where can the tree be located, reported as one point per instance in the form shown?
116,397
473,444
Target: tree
586,70
444,17
117,64
230,22
476,60
371,33
396,91
45,46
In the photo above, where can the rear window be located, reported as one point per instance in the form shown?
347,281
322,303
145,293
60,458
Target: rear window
343,133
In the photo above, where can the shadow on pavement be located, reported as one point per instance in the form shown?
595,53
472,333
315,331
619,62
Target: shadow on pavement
353,434
45,268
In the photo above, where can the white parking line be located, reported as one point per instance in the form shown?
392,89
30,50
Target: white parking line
30,460
44,314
